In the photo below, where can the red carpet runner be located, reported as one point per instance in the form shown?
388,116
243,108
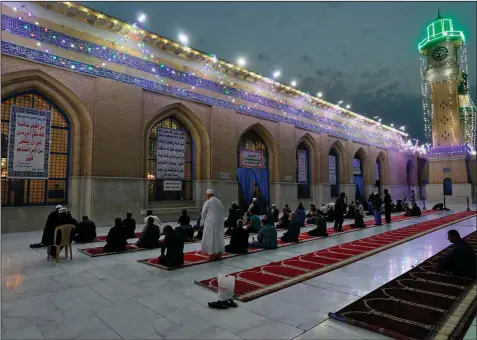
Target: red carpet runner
420,304
194,258
103,238
259,281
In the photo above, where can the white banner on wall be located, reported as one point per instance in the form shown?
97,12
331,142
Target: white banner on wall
302,167
172,186
28,143
251,159
356,167
170,156
332,169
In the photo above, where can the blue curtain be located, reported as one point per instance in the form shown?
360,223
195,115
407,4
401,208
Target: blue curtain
245,177
261,177
359,186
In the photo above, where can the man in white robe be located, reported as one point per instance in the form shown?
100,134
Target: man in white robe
212,219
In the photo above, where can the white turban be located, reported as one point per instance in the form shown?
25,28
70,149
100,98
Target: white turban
58,207
254,199
210,191
62,210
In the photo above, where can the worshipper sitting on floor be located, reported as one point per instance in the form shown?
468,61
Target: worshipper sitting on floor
238,240
287,208
351,210
63,217
254,208
231,220
157,221
399,206
438,206
130,225
340,208
184,228
213,222
284,220
358,216
415,211
320,229
150,235
300,214
172,250
85,231
311,216
266,238
184,219
254,224
275,213
330,215
323,211
460,260
117,239
291,235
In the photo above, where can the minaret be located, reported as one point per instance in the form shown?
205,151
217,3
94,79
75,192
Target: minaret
450,154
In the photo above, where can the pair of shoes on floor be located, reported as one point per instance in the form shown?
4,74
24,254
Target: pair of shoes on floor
222,304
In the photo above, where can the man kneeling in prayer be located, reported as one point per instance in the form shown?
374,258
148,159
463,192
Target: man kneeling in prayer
267,237
85,231
320,229
291,235
172,251
358,216
238,240
414,212
460,260
116,240
311,216
150,235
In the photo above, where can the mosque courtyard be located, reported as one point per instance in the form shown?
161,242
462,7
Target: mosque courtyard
115,297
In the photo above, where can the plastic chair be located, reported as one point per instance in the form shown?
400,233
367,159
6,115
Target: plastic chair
66,230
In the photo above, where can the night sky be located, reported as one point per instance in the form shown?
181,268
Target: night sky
364,53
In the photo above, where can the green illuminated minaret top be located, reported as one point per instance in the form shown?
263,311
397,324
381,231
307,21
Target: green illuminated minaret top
438,31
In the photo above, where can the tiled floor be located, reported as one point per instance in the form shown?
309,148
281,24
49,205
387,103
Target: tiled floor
114,297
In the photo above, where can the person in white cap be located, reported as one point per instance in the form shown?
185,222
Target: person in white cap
254,208
212,219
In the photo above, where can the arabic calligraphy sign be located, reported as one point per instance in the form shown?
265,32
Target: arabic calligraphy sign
28,143
332,169
170,158
251,159
302,167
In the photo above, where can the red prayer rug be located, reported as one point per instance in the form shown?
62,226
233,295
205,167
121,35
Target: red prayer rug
259,281
103,238
420,304
99,251
194,258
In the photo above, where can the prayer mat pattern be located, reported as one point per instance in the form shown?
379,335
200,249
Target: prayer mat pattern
195,258
99,251
420,304
259,281
103,238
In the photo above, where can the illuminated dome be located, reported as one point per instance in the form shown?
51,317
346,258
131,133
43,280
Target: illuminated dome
440,30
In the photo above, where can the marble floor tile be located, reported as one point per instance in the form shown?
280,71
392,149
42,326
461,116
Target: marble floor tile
275,330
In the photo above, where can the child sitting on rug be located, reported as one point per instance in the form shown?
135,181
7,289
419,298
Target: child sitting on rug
238,240
117,238
172,251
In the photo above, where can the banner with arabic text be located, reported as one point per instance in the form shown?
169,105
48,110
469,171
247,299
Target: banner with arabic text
28,143
332,169
302,167
170,156
252,159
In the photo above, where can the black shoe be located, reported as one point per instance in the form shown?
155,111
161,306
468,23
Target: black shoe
219,305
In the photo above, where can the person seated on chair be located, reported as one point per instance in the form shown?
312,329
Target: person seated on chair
62,218
358,216
172,251
51,224
157,221
351,210
291,235
85,231
320,229
284,220
130,226
438,206
287,208
238,240
254,224
150,235
300,214
266,238
311,216
275,213
415,211
460,260
116,240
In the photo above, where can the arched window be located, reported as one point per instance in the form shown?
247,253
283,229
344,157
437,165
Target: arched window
51,191
252,154
447,186
170,189
303,171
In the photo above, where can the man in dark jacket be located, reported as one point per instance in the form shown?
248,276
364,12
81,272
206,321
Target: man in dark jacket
460,260
340,209
291,235
378,202
85,231
174,244
387,206
275,213
130,225
63,217
149,236
117,238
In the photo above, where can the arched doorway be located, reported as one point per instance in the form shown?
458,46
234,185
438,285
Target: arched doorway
447,186
252,171
410,177
358,177
31,191
334,172
303,171
381,172
170,167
